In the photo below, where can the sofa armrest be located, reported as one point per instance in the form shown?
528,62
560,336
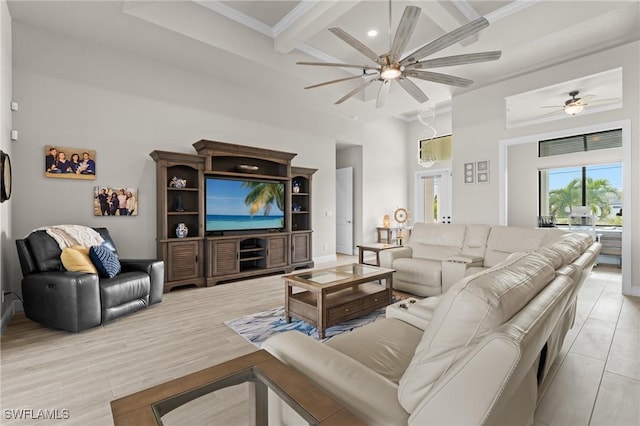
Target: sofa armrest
388,256
64,300
455,268
155,269
364,392
467,260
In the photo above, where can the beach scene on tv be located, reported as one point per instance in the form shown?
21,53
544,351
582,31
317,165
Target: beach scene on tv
242,204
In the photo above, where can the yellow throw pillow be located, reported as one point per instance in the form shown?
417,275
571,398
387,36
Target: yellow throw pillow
76,259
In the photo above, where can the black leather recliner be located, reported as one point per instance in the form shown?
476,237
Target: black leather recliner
75,301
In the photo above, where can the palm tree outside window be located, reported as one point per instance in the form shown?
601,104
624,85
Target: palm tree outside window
597,186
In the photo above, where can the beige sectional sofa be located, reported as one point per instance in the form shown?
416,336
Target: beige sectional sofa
438,255
475,355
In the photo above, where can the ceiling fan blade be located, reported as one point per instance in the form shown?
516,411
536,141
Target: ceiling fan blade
446,40
335,64
383,93
440,78
601,101
411,88
333,81
405,29
355,43
355,91
448,61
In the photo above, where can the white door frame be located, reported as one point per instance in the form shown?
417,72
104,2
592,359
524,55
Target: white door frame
344,224
418,196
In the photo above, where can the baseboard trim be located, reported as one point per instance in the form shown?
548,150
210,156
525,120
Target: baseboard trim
7,316
325,259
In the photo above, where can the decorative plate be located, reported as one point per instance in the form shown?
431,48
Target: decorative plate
401,215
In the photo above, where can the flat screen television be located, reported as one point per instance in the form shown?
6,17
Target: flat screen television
243,204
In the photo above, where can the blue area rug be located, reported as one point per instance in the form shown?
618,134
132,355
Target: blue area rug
256,328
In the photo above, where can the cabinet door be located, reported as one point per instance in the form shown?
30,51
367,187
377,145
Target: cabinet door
223,257
182,260
300,247
277,251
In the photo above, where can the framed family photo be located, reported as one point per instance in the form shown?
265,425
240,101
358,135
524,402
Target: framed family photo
69,163
115,201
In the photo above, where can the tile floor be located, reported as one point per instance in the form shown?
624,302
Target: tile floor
597,373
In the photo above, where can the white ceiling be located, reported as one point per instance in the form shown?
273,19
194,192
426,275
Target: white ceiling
255,44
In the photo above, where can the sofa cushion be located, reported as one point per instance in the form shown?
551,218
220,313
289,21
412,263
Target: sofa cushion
469,310
567,248
504,240
385,346
124,288
44,251
415,270
475,240
436,241
105,261
76,259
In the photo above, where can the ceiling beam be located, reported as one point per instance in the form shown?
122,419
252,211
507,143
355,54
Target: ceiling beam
321,16
436,12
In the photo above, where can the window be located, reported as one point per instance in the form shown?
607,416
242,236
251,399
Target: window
439,147
587,142
597,186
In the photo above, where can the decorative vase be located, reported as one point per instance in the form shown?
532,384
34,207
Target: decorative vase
296,187
182,230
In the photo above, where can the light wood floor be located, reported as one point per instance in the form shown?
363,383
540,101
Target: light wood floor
597,376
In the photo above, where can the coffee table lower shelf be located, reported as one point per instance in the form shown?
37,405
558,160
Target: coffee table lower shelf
342,305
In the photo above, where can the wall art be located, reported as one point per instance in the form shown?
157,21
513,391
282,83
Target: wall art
482,168
115,201
469,173
69,163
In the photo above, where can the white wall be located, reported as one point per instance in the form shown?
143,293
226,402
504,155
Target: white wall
6,243
384,181
79,94
479,126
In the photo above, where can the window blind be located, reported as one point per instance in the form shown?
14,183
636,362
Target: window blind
580,143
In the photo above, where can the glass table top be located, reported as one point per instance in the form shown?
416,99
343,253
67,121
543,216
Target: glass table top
339,273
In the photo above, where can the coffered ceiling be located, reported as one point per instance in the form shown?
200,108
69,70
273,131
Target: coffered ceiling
255,44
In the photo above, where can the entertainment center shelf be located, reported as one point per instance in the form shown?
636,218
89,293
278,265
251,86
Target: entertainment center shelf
273,234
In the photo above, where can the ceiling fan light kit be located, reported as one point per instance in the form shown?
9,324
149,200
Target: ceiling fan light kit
391,67
573,109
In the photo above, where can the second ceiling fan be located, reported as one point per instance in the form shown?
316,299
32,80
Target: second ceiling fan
391,66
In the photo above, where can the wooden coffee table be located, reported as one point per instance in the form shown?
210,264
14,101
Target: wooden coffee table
335,295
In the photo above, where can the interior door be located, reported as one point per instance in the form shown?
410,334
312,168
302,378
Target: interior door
344,210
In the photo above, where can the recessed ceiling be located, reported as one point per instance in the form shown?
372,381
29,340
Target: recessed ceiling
253,45
601,92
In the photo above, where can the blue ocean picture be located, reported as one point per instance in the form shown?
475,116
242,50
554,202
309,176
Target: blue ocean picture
243,204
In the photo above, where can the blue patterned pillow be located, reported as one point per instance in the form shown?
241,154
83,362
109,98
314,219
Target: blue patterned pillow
105,261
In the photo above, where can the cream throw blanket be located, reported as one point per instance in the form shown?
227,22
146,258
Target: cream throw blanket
71,235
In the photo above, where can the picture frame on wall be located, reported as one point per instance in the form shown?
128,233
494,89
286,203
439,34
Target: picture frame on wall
115,201
469,173
63,162
482,168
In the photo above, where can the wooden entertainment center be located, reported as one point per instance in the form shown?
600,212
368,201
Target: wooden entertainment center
206,258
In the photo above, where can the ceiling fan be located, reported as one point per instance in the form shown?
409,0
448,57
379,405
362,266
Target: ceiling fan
576,105
390,66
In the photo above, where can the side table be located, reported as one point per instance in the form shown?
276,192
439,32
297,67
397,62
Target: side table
374,247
